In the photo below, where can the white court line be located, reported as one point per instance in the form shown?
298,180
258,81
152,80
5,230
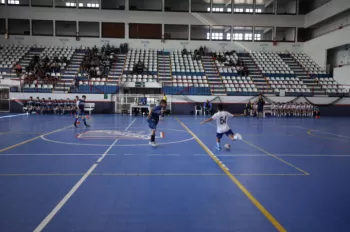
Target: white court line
12,116
189,155
341,136
52,214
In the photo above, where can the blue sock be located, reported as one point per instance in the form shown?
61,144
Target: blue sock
84,120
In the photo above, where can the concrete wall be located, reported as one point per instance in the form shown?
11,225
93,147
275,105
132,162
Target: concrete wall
332,24
342,75
153,44
149,17
326,11
317,48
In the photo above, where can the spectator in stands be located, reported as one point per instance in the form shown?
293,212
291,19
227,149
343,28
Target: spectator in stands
207,107
18,69
245,71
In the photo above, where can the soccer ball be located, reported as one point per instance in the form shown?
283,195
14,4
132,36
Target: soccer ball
227,146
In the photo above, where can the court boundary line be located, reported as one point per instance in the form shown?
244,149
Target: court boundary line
276,157
65,199
12,116
257,204
32,139
179,155
145,174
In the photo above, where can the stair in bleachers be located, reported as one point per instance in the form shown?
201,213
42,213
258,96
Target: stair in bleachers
255,74
299,71
215,83
249,62
24,62
74,65
117,69
164,67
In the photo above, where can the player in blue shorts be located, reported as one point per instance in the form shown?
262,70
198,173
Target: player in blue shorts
81,111
221,119
153,119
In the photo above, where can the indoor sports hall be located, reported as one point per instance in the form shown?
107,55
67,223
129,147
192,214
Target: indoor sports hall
169,116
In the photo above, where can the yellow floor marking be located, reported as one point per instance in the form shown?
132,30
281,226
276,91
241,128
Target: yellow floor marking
146,174
262,209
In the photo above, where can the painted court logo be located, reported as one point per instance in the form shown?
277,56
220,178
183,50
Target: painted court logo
114,134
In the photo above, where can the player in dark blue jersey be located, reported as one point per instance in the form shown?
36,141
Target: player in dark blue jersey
153,119
81,112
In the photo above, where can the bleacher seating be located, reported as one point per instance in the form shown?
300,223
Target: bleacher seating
138,78
331,86
38,88
185,64
309,65
289,84
271,64
223,67
148,57
269,72
239,84
9,56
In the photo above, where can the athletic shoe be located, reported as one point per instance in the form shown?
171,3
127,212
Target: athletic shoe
153,144
238,136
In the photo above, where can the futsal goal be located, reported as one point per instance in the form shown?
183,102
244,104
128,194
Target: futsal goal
123,102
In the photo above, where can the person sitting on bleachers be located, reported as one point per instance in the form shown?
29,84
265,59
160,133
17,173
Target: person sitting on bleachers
245,71
184,52
18,69
207,107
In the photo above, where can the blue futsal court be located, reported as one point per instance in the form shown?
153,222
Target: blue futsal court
288,174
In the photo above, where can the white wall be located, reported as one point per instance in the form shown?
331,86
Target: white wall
341,56
326,11
342,75
317,48
149,17
153,44
330,25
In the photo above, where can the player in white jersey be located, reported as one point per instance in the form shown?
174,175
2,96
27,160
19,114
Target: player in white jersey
289,109
221,119
310,110
273,109
283,110
292,110
303,109
299,110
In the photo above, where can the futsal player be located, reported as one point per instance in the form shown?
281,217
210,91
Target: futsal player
81,111
165,99
221,119
153,119
273,109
